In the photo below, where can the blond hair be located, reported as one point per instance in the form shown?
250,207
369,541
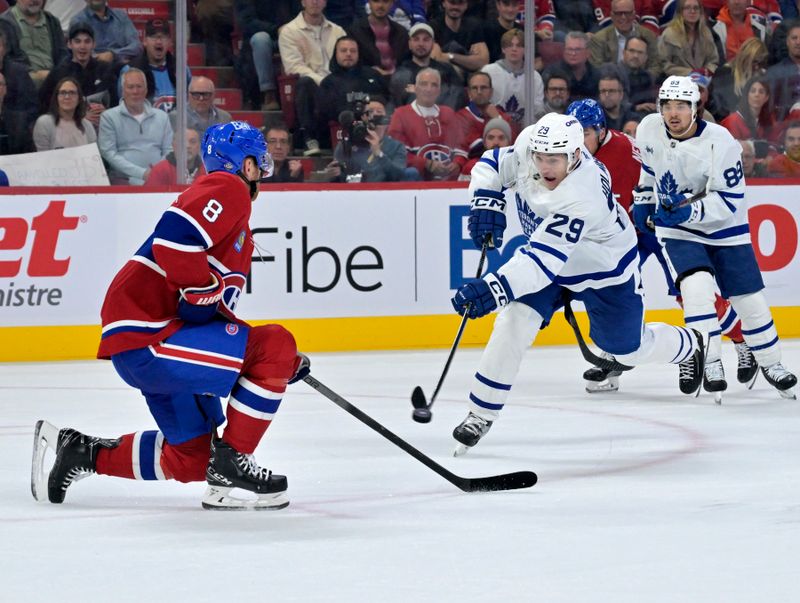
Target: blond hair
679,27
742,65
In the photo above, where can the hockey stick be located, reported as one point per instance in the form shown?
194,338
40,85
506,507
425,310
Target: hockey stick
506,481
422,408
588,355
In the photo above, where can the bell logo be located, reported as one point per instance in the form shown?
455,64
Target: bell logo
46,228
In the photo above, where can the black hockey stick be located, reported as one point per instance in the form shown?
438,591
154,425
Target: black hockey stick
506,481
422,408
588,355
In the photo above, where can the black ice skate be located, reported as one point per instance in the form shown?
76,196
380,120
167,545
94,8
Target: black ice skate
469,432
229,469
690,375
600,379
76,458
714,379
781,379
747,370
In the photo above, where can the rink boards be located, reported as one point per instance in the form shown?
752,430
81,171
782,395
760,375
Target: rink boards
345,267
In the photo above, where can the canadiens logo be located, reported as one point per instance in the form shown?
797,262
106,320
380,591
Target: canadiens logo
435,152
231,328
239,242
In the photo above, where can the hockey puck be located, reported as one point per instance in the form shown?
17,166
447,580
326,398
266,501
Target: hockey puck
422,415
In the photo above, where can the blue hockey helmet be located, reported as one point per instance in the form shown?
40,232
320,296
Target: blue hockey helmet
226,146
589,112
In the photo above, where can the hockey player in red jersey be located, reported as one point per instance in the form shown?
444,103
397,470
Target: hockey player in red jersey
170,330
621,157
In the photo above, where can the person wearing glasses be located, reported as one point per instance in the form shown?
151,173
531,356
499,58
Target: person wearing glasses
608,44
201,112
285,170
556,93
583,76
65,124
687,43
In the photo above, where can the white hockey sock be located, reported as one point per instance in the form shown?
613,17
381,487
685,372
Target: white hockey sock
663,344
698,291
757,327
515,328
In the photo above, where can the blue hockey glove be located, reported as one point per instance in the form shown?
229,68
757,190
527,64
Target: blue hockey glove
303,368
642,213
487,217
669,200
677,215
480,296
199,304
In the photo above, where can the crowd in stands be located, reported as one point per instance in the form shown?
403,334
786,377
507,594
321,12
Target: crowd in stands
390,89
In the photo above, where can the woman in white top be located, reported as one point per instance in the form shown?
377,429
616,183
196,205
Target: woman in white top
64,125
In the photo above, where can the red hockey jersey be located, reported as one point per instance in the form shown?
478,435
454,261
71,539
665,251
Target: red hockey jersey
206,226
620,155
473,123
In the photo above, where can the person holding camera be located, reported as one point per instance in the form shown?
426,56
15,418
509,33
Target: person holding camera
366,153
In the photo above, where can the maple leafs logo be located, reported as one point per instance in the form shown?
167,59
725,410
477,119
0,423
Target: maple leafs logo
667,185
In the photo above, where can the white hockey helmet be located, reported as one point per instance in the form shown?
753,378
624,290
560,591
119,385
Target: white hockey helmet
557,134
679,87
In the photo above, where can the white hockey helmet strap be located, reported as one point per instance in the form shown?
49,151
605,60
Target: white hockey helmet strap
677,87
556,134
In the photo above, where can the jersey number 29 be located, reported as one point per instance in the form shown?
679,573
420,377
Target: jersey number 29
574,228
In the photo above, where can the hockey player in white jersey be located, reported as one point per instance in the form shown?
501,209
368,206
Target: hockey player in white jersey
707,242
581,245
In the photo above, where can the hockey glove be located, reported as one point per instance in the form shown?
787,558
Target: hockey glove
480,296
487,217
668,214
303,368
199,304
642,215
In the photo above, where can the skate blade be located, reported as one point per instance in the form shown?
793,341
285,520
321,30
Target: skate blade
788,394
752,381
718,398
45,436
219,498
460,450
598,387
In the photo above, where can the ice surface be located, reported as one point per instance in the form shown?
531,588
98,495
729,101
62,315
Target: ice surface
644,494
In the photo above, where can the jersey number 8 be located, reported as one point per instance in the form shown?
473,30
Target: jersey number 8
733,175
212,210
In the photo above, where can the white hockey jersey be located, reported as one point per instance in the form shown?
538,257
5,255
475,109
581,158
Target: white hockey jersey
710,161
578,236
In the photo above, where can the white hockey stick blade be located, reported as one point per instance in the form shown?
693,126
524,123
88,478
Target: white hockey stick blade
460,450
753,380
45,437
597,387
718,398
220,499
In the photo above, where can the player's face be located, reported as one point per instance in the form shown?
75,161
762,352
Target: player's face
251,170
677,116
552,168
592,138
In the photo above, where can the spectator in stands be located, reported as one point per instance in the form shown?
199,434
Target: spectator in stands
306,46
508,17
737,22
344,12
20,91
133,136
647,13
406,12
255,21
556,93
608,44
376,158
787,165
784,77
508,79
63,10
752,119
630,127
583,77
165,172
611,95
703,82
478,111
15,135
687,43
33,37
642,89
158,65
382,43
751,166
201,111
574,15
460,39
215,19
347,76
96,78
65,124
496,133
285,170
115,38
430,132
420,45
729,80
